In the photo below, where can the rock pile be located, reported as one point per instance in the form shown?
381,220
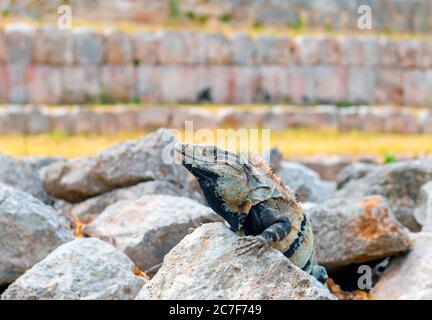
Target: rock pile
138,213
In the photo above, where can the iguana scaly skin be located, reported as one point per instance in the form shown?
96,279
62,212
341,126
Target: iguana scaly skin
256,204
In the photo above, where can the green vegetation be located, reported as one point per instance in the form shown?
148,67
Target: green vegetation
343,104
225,18
6,13
298,24
104,98
258,25
389,158
190,15
174,10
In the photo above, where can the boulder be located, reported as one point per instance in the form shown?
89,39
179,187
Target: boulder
29,231
147,228
125,164
354,171
328,167
21,175
38,162
399,182
408,274
205,265
355,230
423,212
305,182
81,269
89,209
420,295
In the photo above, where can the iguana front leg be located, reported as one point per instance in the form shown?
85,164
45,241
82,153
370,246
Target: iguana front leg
277,226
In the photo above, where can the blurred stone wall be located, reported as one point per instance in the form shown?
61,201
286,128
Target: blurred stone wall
338,15
37,119
49,65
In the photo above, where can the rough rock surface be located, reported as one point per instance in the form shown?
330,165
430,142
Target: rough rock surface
305,182
420,295
146,229
89,209
354,171
408,274
400,183
38,163
204,265
423,212
29,230
81,269
125,164
20,174
352,230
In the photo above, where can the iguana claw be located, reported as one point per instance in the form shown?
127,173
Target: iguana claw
252,243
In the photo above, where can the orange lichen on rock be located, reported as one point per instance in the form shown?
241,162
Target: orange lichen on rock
78,228
374,223
138,272
346,295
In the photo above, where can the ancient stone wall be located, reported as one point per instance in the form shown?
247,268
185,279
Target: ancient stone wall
53,66
37,119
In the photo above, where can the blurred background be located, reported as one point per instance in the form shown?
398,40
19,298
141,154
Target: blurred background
335,81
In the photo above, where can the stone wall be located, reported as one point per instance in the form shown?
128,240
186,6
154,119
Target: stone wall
79,120
53,66
339,15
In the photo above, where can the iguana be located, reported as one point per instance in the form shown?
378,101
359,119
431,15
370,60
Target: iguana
255,203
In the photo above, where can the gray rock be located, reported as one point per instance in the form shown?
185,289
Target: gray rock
125,164
305,182
354,171
351,230
81,269
423,212
204,265
408,274
89,209
29,230
273,158
400,183
21,175
37,163
420,295
147,228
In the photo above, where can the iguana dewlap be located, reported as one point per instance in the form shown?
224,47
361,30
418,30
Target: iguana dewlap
242,189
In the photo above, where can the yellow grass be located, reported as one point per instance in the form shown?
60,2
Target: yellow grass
292,142
210,27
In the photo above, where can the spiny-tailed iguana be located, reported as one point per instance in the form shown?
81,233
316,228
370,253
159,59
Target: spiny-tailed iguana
256,204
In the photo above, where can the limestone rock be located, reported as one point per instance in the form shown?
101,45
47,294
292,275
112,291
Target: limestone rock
89,209
125,164
354,171
400,183
351,230
305,182
423,213
147,228
29,231
408,274
204,265
87,269
20,174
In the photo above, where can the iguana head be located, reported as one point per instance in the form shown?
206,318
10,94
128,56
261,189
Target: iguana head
228,180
